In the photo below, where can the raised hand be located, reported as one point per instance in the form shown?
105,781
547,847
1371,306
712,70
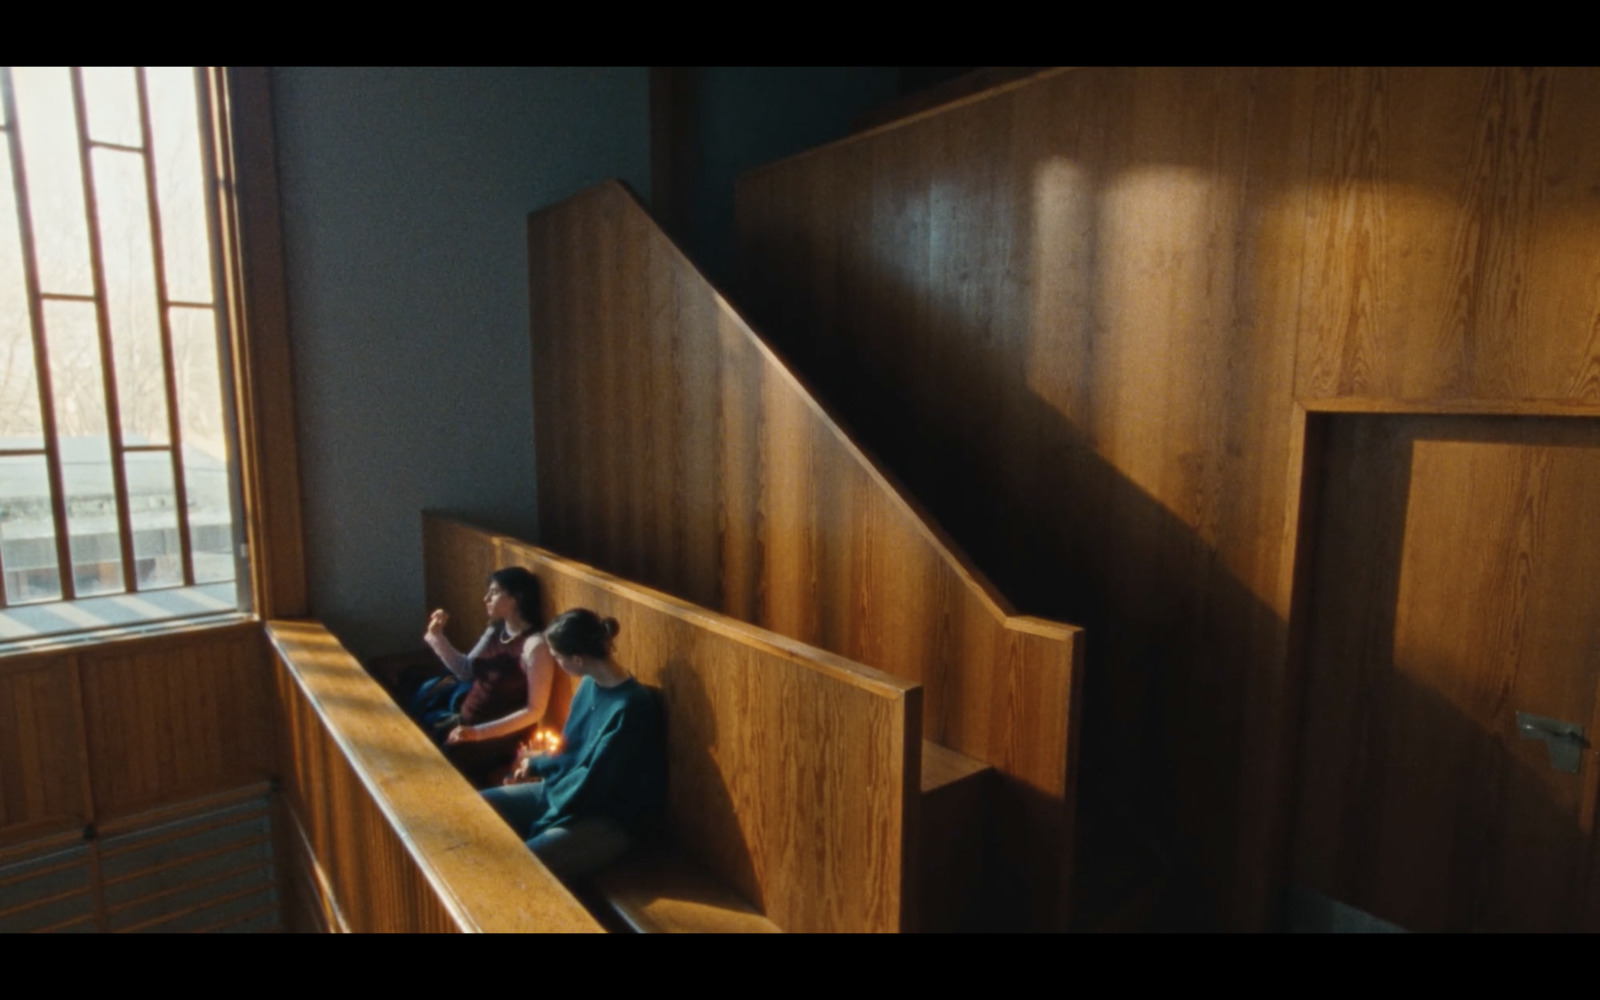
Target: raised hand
437,621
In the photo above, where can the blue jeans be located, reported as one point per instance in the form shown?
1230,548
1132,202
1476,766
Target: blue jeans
437,704
574,851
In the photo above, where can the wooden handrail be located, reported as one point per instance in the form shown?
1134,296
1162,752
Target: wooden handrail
399,839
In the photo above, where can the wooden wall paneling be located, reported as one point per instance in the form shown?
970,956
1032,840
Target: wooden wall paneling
1451,234
694,515
44,775
402,842
175,716
1261,433
738,432
800,509
793,771
1090,382
609,451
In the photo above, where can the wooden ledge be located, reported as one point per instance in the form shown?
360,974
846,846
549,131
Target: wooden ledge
942,767
655,891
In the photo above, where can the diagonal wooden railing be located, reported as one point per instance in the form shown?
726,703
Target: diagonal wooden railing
677,449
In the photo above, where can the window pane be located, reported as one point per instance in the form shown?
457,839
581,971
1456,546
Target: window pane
175,139
47,125
85,448
112,103
125,251
210,516
19,392
205,451
153,509
27,531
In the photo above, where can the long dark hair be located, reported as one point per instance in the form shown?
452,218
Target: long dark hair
522,587
581,632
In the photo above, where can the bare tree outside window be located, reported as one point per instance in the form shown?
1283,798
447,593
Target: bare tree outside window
115,457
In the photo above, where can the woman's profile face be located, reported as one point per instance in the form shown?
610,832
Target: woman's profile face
498,603
573,665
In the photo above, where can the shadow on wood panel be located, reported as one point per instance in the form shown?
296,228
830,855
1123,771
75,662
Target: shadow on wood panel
714,822
900,285
1077,541
1453,589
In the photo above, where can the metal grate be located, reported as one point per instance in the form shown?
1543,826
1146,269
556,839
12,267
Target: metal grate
210,871
48,892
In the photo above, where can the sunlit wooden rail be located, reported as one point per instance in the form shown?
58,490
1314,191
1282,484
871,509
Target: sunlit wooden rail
382,833
793,772
677,449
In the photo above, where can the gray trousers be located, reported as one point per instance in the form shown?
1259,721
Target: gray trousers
573,851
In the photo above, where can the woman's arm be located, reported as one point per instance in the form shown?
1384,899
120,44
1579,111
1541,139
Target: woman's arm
457,662
540,667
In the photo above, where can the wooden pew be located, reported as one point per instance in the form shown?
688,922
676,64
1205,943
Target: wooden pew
382,832
711,471
794,774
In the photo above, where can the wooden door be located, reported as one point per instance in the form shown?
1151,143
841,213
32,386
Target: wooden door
1456,582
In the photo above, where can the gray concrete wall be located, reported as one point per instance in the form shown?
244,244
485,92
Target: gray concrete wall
405,194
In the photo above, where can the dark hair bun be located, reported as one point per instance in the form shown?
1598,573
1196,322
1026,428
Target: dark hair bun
581,632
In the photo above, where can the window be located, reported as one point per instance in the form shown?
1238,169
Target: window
118,494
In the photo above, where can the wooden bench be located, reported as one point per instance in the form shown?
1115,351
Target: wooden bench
794,774
657,891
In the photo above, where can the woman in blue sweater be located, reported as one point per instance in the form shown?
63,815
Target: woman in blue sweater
577,808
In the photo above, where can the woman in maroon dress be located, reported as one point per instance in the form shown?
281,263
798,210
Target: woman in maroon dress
498,692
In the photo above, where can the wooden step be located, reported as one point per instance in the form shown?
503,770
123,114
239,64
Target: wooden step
654,891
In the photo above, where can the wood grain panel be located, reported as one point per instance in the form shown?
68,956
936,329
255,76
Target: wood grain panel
1075,316
1452,227
396,836
1454,587
172,717
812,539
43,777
1062,314
793,771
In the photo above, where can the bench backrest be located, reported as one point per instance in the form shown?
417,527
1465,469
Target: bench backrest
793,772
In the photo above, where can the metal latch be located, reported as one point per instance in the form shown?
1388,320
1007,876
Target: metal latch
1564,740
